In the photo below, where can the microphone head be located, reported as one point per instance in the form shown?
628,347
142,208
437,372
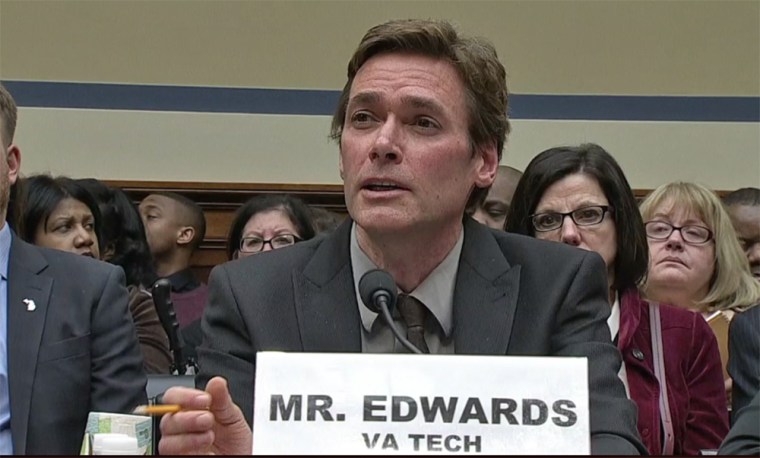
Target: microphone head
374,284
161,290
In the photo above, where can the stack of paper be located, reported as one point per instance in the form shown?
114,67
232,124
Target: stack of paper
138,426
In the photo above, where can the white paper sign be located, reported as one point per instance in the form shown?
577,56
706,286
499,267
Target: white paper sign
330,403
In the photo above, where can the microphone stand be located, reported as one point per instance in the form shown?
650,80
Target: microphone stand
378,292
389,320
165,308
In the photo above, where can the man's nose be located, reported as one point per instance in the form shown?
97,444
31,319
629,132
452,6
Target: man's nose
569,232
386,145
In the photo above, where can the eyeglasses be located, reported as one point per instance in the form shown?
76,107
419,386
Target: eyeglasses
695,235
585,216
256,244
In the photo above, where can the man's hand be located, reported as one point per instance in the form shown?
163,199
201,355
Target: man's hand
209,423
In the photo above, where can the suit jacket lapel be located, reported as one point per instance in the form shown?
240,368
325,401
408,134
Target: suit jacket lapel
28,296
485,295
325,299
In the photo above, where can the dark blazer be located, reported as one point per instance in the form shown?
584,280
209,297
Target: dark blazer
744,437
514,295
744,357
76,351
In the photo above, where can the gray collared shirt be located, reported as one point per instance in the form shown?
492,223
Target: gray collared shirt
436,292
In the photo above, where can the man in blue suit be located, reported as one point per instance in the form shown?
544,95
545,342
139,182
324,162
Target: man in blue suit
67,341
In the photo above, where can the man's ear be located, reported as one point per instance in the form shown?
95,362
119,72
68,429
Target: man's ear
13,158
185,235
486,166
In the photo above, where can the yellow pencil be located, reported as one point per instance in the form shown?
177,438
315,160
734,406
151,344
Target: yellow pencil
157,409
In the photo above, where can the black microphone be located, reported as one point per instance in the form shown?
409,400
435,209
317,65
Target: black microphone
378,292
161,292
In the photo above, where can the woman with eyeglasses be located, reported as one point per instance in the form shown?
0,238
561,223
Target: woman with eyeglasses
268,222
579,196
697,262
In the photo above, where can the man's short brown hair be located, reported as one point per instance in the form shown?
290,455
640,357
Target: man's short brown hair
8,113
474,59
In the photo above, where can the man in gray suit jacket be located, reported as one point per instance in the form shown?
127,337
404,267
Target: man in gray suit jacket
68,341
744,436
421,124
744,357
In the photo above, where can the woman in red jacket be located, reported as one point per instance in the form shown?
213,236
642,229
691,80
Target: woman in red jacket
580,196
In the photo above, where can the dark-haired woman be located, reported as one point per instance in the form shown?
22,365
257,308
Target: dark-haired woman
62,214
267,222
672,370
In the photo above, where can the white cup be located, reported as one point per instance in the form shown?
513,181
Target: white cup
114,444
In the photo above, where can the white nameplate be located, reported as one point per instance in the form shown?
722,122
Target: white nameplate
335,403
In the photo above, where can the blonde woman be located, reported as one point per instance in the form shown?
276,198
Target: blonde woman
695,259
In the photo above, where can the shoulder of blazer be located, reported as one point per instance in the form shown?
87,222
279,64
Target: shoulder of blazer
26,257
319,259
522,249
39,260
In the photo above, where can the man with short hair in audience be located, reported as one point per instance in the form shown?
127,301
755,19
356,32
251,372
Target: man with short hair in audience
493,210
744,207
175,227
421,124
744,334
67,341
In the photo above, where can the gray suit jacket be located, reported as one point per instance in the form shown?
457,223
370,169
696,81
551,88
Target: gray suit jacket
514,295
744,357
744,436
74,352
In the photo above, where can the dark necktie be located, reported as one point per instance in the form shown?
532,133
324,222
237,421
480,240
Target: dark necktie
413,313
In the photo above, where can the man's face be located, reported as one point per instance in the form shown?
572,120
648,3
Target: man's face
405,155
160,216
746,221
10,162
493,211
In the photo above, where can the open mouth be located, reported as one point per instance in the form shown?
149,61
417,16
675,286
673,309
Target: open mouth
384,186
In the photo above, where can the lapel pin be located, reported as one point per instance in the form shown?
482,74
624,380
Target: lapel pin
30,305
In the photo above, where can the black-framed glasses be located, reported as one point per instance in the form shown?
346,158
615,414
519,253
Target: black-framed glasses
584,216
256,244
693,234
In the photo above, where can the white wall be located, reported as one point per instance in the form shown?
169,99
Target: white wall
687,48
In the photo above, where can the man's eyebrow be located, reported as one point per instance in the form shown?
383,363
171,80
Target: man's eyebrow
364,98
423,103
